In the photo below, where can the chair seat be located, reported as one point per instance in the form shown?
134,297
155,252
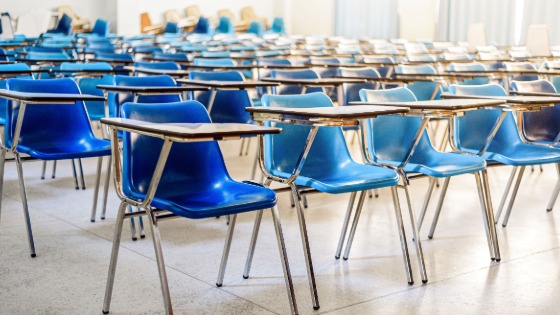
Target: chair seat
524,154
349,178
230,198
442,164
62,150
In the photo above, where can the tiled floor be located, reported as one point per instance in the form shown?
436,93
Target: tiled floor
69,273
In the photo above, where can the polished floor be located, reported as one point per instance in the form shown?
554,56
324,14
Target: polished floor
69,273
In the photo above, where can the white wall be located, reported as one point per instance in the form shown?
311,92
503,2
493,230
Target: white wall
417,19
128,11
311,17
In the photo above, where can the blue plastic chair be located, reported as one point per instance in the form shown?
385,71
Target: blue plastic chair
3,101
256,28
203,27
263,73
51,132
389,139
195,184
222,62
64,26
171,28
422,90
512,66
101,28
471,66
350,91
215,54
507,147
171,56
225,26
111,57
328,168
160,65
386,71
278,26
286,89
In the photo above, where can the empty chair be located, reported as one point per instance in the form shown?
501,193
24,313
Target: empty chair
221,62
203,27
50,132
215,54
471,66
351,91
263,73
225,26
63,26
422,90
384,71
171,57
195,184
100,28
256,28
3,101
506,148
514,66
294,74
160,65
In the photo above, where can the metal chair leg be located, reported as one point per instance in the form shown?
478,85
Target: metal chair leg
253,244
44,170
161,264
345,224
306,249
292,203
304,197
376,191
402,235
439,206
77,186
506,193
25,206
248,146
114,256
417,242
225,253
106,188
552,200
513,195
2,163
132,226
492,227
255,165
96,190
426,202
82,174
242,144
284,259
53,175
487,223
141,226
354,225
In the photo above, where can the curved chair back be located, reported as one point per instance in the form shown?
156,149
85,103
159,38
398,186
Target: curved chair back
225,26
351,91
55,56
422,90
101,27
385,71
256,28
471,66
161,65
215,54
171,57
389,137
55,123
115,100
285,89
214,62
512,66
203,26
329,150
3,101
64,25
263,73
201,162
228,106
473,128
171,28
278,26
543,125
114,57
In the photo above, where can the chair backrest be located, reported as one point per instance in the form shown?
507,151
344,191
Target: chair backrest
390,137
422,90
228,106
215,54
225,26
248,13
3,101
171,56
385,71
64,25
193,11
329,150
512,66
201,163
161,65
214,62
256,28
286,89
114,57
471,66
48,55
543,125
115,100
101,27
203,26
171,28
52,122
351,91
278,26
473,128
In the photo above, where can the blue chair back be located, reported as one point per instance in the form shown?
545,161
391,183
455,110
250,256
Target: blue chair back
473,128
171,57
171,28
3,101
512,66
256,28
203,26
101,27
229,106
351,91
115,100
64,25
114,57
161,65
543,125
200,162
286,89
55,56
146,49
422,90
215,54
263,73
225,26
328,153
471,66
54,123
214,62
385,71
278,26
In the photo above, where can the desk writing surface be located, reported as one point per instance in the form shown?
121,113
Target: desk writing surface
189,130
521,100
339,112
151,89
450,104
227,84
48,97
324,81
536,94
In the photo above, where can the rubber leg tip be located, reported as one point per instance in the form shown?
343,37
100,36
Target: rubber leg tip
410,282
345,258
83,188
503,225
425,281
33,255
305,207
316,307
134,238
336,257
218,285
77,188
245,277
498,260
142,236
102,218
492,259
430,237
548,210
105,312
92,220
42,177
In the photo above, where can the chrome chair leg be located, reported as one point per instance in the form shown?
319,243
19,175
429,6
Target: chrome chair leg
506,193
25,206
44,170
255,166
53,175
106,188
242,144
161,264
114,256
76,184
552,200
141,226
345,224
306,249
96,190
2,163
225,253
492,227
248,146
354,225
82,174
426,202
541,168
439,206
513,195
376,191
402,235
253,244
370,194
417,242
284,259
487,223
304,197
132,225
292,203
